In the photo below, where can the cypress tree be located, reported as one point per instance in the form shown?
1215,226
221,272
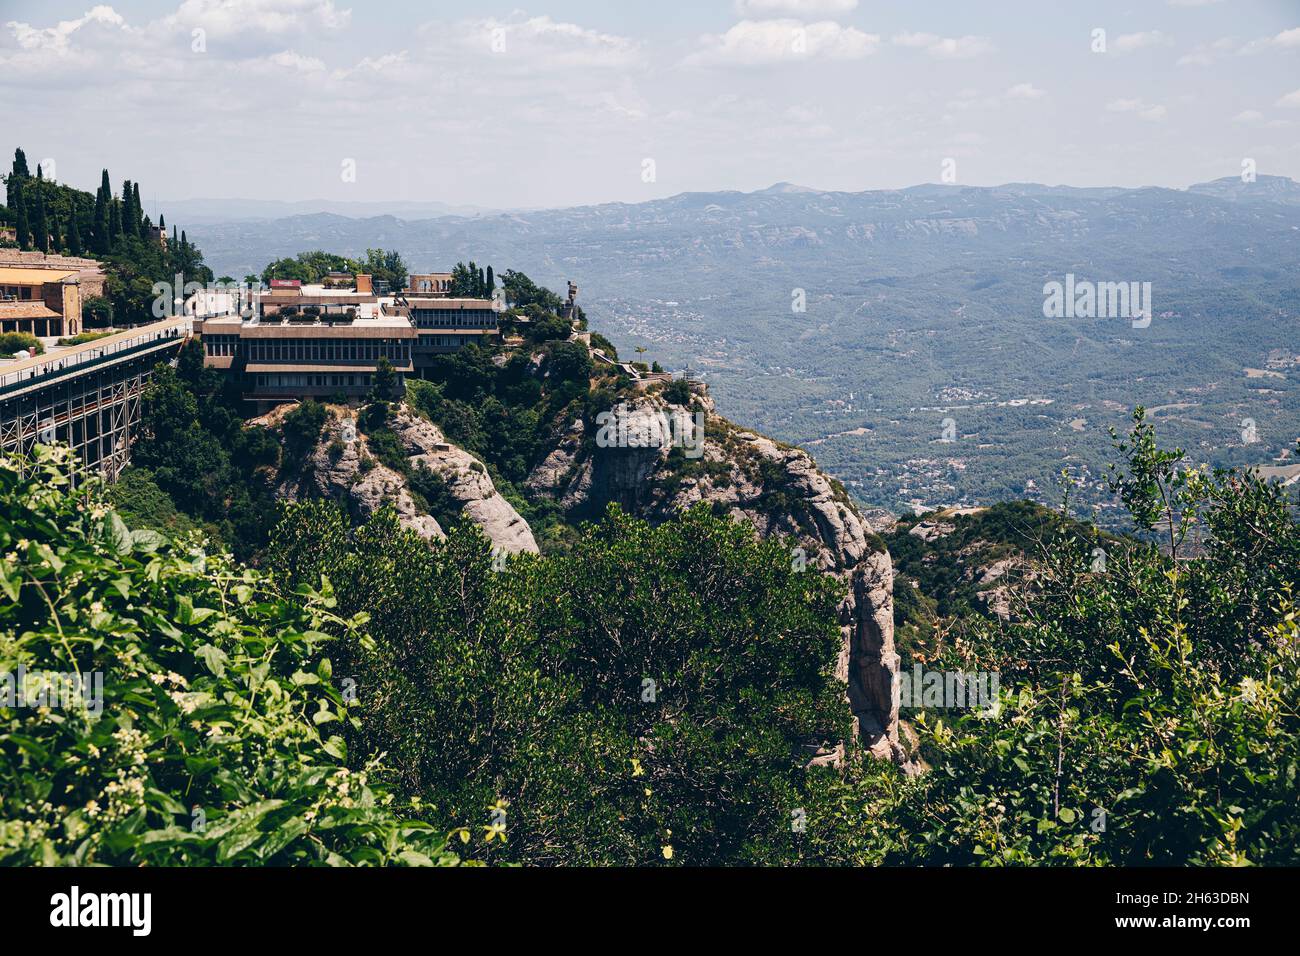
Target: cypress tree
14,182
74,237
139,211
491,282
127,200
114,221
56,242
40,226
99,236
20,218
162,222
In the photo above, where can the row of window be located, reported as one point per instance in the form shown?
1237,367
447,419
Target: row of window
221,344
295,380
446,341
397,351
454,318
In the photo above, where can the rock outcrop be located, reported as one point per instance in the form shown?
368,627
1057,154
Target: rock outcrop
343,467
654,458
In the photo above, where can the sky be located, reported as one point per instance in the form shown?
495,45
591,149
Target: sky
569,102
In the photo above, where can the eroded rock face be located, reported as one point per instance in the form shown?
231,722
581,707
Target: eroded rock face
467,480
334,470
737,473
775,488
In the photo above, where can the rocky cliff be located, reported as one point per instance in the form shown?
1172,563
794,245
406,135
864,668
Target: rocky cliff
654,458
344,466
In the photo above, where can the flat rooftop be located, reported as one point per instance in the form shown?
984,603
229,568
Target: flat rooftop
275,327
23,275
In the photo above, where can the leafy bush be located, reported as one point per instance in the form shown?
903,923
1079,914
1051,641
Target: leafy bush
678,392
83,337
217,738
1148,706
11,342
648,694
301,428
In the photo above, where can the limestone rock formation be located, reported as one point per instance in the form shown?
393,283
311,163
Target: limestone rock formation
654,458
342,467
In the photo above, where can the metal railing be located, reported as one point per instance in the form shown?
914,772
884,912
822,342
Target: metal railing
77,358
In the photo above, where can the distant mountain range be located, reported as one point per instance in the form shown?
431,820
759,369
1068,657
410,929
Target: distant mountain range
226,210
922,304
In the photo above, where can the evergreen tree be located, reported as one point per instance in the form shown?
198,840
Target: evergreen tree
128,208
40,176
491,282
114,221
40,226
15,181
162,222
74,237
100,234
20,217
139,211
56,242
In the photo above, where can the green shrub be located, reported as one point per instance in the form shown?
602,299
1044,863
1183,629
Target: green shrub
83,337
1147,711
11,342
215,736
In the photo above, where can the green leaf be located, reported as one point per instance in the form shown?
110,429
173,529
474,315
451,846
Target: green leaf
214,657
119,535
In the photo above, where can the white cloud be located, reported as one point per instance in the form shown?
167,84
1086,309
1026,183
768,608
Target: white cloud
1248,117
1151,112
755,42
945,47
296,62
539,42
1025,91
58,37
798,8
1287,38
1291,99
388,68
1204,54
1128,42
248,17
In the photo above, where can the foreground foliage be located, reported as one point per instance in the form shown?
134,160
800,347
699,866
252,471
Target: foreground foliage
645,697
1149,704
219,736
